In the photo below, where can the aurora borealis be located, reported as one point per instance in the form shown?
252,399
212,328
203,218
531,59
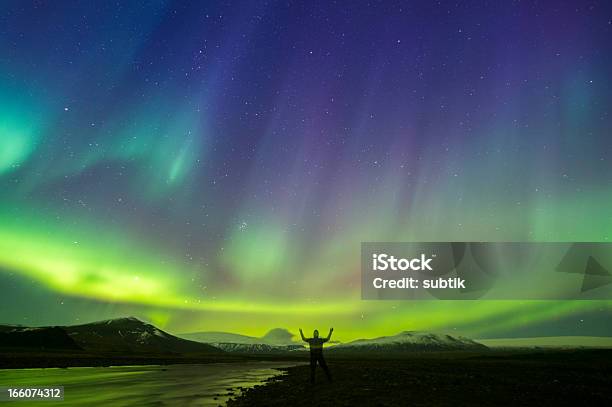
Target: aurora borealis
216,165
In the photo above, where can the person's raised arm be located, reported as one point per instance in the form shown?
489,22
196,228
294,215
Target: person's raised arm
329,335
302,335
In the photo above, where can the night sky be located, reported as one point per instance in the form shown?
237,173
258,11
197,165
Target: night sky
215,165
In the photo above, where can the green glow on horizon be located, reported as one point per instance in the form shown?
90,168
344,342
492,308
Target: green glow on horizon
81,271
75,266
73,263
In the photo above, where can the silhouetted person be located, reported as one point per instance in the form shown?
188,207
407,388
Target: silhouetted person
316,352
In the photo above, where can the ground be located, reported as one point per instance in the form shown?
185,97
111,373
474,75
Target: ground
543,378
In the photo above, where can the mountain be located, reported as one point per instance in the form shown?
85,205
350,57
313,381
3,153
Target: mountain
36,338
278,336
274,337
277,340
132,335
220,337
409,341
261,348
118,336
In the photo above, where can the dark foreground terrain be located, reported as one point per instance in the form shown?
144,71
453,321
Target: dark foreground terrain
519,378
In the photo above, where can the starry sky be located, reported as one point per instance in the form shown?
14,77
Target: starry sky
215,165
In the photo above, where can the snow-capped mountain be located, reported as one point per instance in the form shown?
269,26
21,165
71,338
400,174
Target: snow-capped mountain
276,336
132,335
409,341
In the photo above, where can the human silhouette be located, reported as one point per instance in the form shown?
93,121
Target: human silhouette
316,352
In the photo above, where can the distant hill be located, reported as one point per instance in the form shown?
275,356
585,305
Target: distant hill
276,336
259,348
408,341
220,337
122,335
558,342
277,340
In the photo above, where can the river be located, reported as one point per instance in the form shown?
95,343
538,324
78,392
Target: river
172,385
